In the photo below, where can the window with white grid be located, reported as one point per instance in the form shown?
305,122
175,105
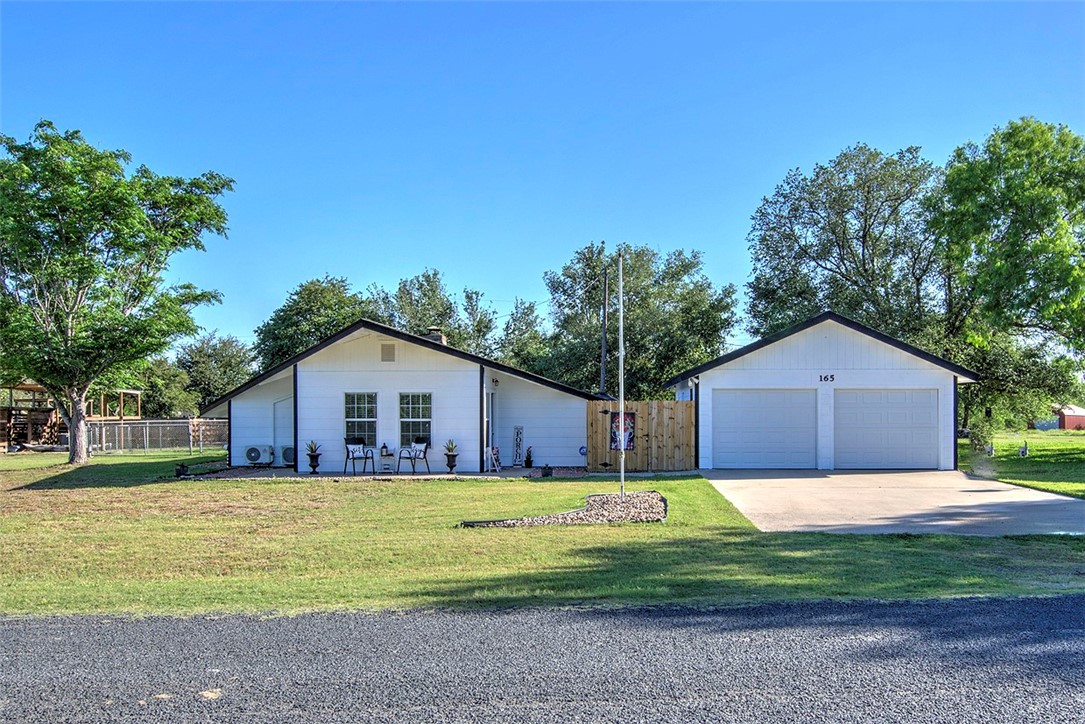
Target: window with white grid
361,416
415,417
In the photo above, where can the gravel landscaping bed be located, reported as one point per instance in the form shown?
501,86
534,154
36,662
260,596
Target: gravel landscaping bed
642,507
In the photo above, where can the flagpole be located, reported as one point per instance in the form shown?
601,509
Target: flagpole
621,374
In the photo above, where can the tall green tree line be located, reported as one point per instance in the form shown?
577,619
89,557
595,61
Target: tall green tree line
676,317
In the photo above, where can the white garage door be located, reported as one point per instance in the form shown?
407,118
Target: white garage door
764,429
886,429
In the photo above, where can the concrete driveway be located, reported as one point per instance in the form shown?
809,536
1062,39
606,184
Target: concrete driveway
886,501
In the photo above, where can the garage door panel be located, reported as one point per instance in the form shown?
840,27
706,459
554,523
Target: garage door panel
925,417
764,429
886,429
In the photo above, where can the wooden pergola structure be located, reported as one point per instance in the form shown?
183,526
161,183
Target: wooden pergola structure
28,415
121,405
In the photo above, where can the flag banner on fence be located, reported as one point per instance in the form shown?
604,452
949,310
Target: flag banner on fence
615,430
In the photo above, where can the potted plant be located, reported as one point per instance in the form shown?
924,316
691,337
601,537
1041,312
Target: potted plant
528,462
312,449
450,455
547,471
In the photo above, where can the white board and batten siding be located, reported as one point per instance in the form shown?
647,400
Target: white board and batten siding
253,418
553,421
355,365
777,402
367,362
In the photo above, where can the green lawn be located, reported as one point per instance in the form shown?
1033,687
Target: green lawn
120,536
1056,461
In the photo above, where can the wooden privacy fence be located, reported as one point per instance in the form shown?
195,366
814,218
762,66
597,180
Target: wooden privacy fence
663,434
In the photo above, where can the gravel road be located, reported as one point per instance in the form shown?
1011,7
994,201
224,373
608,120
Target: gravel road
976,660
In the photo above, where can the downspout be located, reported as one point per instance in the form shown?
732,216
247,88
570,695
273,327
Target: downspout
697,422
295,418
955,403
481,418
229,433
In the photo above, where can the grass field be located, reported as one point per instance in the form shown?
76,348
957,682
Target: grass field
122,536
1056,461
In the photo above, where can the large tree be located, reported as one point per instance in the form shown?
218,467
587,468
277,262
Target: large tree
83,246
675,318
214,365
1012,214
850,236
314,310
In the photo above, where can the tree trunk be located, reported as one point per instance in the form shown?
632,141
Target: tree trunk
78,452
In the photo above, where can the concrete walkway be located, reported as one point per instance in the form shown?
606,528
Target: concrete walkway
883,501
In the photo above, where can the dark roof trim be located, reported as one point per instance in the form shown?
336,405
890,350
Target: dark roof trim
814,321
406,337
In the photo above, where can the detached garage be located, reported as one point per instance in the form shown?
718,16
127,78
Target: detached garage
827,393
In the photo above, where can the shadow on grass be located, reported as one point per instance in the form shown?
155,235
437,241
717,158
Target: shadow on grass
1056,515
719,565
106,473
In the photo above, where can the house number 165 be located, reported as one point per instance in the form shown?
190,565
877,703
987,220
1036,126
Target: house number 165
827,378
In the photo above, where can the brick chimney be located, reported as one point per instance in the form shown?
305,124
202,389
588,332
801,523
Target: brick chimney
437,335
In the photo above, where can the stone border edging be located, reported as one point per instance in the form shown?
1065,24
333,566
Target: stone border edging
563,517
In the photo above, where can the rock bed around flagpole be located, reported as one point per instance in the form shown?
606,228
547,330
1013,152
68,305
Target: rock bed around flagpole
640,507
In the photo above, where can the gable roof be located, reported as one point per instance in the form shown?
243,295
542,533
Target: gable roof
384,329
840,319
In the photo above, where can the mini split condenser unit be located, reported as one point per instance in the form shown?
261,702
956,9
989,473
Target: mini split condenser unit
260,454
286,455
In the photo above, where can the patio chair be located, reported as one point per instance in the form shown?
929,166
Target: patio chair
417,451
358,450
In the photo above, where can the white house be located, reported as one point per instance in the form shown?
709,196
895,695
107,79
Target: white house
824,394
390,387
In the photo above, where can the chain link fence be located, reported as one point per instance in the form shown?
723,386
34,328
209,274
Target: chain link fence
135,436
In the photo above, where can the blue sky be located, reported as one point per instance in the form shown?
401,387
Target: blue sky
492,140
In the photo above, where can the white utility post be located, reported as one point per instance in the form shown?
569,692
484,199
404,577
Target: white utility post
621,376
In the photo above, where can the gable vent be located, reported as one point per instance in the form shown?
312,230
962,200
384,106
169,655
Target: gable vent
388,352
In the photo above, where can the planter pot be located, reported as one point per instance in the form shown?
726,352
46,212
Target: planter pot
314,462
450,461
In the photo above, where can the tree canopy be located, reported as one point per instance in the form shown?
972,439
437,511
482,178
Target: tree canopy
166,390
675,318
83,246
316,309
852,237
1012,214
214,366
319,308
423,301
